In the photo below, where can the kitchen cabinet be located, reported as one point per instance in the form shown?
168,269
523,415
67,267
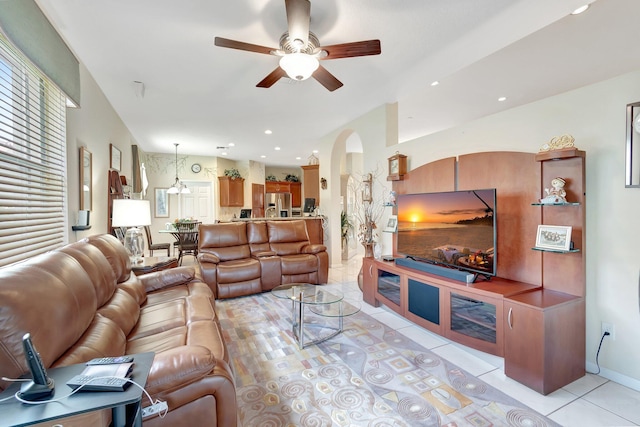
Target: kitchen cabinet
231,191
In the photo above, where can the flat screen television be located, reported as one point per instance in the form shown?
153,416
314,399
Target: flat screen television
455,229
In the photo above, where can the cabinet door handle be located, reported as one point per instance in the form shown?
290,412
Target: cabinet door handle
509,318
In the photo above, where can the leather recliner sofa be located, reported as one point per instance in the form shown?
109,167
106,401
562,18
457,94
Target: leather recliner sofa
81,302
248,257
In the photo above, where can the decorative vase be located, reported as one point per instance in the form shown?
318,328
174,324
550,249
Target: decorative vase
368,249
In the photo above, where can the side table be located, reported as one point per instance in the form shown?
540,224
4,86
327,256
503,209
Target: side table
125,405
153,263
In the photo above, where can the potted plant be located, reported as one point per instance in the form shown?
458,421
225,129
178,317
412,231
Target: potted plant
291,178
346,226
271,178
232,173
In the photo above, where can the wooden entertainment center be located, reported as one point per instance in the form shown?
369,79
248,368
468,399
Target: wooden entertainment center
533,312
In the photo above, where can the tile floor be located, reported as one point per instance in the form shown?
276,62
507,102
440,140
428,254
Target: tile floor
591,401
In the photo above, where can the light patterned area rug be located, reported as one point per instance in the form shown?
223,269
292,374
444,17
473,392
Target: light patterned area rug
369,375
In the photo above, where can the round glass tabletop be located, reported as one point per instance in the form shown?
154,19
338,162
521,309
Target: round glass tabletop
306,293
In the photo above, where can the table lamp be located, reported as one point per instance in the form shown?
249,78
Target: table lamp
133,214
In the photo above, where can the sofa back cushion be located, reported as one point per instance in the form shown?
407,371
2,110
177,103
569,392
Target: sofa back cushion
258,237
97,267
115,253
227,241
50,296
287,237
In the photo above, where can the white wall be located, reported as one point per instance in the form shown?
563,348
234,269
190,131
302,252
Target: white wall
595,117
95,125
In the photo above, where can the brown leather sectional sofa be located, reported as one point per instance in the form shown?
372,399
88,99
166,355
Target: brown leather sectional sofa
82,302
243,258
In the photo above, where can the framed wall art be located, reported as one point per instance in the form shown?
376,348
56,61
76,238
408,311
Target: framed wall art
553,237
161,203
116,158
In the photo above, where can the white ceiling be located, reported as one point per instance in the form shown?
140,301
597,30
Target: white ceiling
202,96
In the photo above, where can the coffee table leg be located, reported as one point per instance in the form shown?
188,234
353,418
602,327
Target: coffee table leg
301,323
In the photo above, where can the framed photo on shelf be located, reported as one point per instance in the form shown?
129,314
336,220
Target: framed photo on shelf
392,224
162,203
116,157
554,237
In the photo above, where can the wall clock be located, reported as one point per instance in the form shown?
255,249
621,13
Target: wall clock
196,168
397,167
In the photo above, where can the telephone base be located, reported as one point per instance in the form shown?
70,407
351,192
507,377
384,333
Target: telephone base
32,391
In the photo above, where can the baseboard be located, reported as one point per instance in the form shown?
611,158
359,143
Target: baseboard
438,270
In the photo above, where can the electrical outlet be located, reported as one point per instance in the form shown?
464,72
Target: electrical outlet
608,327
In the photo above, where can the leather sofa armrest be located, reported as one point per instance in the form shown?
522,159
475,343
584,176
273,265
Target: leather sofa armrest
168,278
313,249
264,254
205,257
175,368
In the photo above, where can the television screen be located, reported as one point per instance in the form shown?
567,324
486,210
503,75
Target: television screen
456,229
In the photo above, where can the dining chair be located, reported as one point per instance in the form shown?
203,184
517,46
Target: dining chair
187,239
155,246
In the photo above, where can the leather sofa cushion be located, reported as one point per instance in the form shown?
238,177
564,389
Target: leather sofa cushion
287,237
227,241
238,271
122,309
96,266
298,264
102,338
179,366
258,237
115,253
57,309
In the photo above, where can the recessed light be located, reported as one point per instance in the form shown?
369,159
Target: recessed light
315,151
263,157
277,148
502,98
298,158
231,144
580,9
224,153
268,132
435,83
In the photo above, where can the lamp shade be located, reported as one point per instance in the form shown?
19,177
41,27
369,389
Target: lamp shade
299,66
131,213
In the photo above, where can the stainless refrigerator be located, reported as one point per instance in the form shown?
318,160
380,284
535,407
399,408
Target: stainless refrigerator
278,205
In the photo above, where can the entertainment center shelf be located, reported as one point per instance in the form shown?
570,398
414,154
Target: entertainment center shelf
533,311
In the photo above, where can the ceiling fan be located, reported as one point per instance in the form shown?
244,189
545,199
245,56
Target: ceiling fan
300,50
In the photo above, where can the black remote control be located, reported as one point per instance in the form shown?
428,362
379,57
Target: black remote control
110,360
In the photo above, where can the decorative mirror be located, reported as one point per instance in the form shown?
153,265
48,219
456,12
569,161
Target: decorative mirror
85,179
632,154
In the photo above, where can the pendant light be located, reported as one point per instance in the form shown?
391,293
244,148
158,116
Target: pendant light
178,186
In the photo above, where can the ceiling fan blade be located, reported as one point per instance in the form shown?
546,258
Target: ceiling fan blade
349,50
272,78
326,79
233,44
298,16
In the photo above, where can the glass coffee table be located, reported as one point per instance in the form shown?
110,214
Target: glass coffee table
318,301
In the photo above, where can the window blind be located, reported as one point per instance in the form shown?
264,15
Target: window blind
32,159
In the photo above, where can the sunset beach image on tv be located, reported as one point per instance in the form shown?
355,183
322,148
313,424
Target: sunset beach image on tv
451,228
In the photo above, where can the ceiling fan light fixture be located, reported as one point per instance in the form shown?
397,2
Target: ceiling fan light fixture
299,66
